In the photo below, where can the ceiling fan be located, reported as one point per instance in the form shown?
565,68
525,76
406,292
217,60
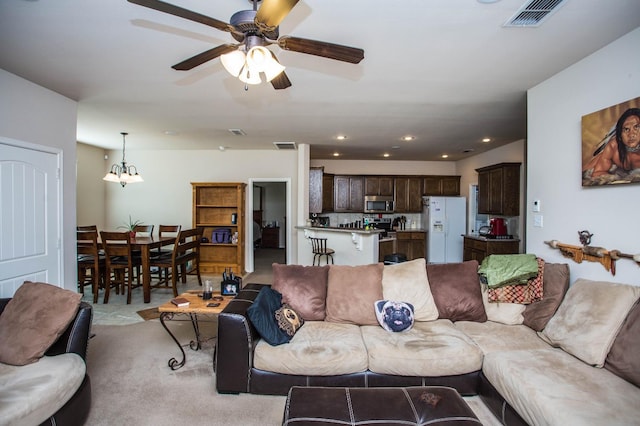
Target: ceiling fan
256,28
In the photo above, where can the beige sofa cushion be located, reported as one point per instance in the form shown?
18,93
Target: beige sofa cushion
493,336
551,387
31,393
319,348
429,349
408,282
502,312
351,293
589,318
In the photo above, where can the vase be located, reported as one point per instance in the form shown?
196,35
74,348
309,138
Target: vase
132,234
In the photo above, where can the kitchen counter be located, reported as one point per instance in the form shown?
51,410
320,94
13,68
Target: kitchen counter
489,239
353,246
477,247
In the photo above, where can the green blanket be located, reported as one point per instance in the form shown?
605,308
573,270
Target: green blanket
508,269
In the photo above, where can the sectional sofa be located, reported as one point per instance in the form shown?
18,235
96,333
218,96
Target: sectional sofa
566,359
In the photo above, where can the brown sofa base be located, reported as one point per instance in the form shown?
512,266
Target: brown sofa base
269,383
497,404
76,410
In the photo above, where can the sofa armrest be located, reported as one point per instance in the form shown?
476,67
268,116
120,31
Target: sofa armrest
76,337
236,339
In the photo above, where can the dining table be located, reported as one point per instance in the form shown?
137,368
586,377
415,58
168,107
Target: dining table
145,244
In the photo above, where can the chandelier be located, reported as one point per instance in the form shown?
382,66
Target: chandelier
257,60
121,173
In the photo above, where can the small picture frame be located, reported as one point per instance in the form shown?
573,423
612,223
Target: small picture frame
229,288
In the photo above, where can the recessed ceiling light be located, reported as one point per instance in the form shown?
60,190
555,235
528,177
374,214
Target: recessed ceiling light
386,154
408,138
341,137
336,154
222,148
485,140
171,132
445,155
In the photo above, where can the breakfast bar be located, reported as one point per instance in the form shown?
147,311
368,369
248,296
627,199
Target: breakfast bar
353,246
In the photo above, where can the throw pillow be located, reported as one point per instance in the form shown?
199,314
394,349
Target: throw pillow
394,316
351,293
623,359
456,291
33,320
304,288
589,318
288,320
408,281
555,284
502,312
262,314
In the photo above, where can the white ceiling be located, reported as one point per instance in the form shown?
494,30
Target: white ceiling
445,71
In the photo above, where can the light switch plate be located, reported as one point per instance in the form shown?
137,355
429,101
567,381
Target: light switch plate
536,205
537,220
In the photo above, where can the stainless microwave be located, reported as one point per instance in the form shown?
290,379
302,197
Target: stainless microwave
378,204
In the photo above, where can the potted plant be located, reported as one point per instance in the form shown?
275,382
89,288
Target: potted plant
131,226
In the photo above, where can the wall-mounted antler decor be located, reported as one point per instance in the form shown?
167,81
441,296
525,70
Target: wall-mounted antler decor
591,253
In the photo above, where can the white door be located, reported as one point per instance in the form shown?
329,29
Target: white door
30,223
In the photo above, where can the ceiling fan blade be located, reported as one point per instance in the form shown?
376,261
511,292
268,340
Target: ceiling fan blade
272,12
281,81
203,57
322,48
183,13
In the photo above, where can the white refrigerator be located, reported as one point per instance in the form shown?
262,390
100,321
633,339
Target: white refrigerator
444,220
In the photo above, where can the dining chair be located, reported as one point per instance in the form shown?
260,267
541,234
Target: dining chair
120,264
165,231
319,249
186,250
87,228
91,263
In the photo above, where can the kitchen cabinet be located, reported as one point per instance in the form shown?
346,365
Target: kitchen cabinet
441,185
499,189
348,194
315,189
408,194
220,205
378,185
411,243
327,192
385,248
477,248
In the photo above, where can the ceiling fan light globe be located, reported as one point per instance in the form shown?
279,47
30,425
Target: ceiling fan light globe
258,58
233,62
248,76
273,69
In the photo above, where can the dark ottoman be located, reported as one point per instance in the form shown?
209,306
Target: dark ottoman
421,405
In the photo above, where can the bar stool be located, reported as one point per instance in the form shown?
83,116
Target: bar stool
319,249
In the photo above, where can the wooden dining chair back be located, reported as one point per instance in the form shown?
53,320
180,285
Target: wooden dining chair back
87,228
120,263
186,250
144,230
91,264
165,231
319,248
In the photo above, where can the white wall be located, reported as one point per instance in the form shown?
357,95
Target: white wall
165,196
386,167
555,108
90,189
33,114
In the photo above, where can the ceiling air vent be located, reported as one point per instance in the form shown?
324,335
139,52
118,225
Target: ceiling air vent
237,132
285,145
533,13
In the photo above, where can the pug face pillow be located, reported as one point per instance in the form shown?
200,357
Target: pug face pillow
394,316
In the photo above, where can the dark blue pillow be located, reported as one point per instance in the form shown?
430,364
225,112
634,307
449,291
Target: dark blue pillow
262,315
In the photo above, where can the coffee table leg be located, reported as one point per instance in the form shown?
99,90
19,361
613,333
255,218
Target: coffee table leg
174,364
195,345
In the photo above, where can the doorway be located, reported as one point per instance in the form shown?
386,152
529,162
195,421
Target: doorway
270,233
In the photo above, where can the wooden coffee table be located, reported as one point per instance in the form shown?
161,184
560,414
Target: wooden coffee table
197,306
